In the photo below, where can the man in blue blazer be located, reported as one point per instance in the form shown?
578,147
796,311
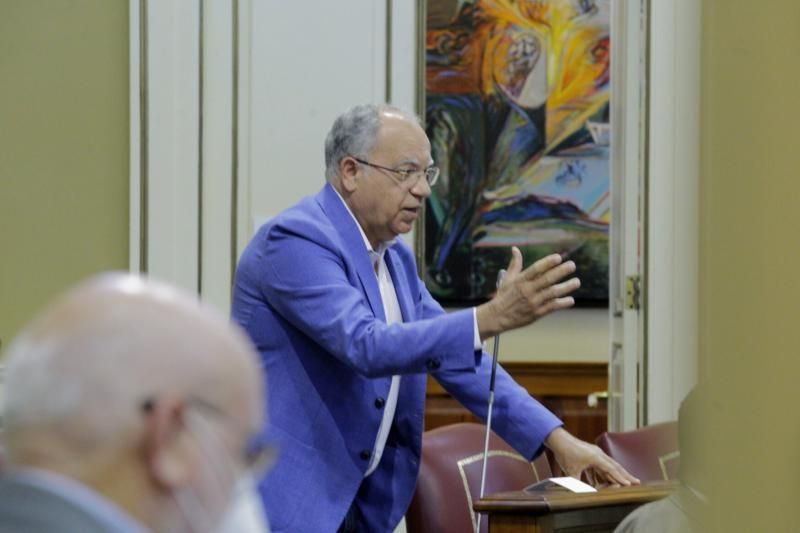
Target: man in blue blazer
348,333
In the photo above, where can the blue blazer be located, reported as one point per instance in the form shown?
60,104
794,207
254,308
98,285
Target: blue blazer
306,293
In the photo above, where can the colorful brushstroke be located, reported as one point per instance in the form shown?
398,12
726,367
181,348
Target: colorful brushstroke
517,113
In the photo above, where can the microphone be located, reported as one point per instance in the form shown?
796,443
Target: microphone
500,275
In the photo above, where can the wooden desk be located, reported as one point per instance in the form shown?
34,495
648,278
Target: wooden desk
561,510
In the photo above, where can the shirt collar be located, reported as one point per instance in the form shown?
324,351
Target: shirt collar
382,247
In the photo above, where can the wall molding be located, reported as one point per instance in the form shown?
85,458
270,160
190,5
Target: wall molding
673,212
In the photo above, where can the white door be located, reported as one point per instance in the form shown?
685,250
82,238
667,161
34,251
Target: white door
654,233
628,175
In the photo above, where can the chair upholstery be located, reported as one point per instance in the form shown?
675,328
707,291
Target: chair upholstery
649,453
450,477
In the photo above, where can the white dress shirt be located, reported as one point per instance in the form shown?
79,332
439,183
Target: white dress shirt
391,309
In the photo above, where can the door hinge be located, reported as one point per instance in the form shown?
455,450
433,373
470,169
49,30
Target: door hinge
633,292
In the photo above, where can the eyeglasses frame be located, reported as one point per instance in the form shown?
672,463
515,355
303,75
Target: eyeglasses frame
405,174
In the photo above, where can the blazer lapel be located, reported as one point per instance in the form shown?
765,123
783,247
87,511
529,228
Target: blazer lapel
354,248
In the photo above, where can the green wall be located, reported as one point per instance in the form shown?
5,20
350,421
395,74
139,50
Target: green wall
750,260
63,148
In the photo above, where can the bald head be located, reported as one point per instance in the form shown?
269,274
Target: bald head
140,392
79,374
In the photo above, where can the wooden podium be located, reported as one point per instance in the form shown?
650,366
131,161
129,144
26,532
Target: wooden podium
554,510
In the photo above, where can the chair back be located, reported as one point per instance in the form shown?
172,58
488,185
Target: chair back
450,477
649,453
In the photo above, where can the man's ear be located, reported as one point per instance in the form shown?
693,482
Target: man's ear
349,170
166,443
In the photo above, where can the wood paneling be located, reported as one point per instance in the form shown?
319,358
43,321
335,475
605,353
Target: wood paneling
562,387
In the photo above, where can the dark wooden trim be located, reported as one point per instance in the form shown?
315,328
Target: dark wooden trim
561,511
550,378
562,387
547,501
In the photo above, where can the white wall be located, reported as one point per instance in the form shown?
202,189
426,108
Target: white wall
305,70
296,73
171,136
299,81
572,335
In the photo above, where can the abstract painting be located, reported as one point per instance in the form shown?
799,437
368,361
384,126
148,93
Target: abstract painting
517,111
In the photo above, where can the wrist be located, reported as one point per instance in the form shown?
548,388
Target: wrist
486,318
556,438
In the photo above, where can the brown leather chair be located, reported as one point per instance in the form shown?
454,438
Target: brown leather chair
450,477
649,453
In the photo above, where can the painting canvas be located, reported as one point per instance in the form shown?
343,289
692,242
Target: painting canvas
517,111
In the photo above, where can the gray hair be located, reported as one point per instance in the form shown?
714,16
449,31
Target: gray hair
46,390
76,376
355,132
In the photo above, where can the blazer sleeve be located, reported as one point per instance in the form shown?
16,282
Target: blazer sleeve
517,417
306,278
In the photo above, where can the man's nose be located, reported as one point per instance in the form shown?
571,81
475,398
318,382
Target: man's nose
421,188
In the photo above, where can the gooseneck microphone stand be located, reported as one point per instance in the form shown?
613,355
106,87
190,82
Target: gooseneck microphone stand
500,275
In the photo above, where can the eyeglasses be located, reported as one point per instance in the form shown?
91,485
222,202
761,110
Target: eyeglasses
431,173
258,454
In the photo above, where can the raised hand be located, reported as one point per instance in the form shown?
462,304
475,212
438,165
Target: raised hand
527,295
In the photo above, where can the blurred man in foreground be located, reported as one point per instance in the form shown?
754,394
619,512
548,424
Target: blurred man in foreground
130,407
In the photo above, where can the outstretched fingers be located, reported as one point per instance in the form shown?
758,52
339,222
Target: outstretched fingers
542,266
529,294
554,305
556,296
542,277
564,288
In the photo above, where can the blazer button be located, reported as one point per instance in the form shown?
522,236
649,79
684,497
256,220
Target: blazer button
434,364
379,403
364,454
